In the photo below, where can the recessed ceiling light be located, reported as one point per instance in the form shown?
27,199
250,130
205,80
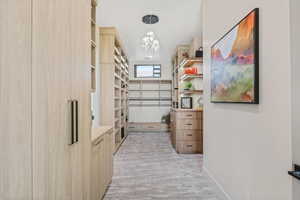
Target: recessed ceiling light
150,19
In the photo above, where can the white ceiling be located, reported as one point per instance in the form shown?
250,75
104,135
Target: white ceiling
180,21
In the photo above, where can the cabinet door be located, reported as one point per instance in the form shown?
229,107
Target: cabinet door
80,37
102,170
51,84
15,100
110,155
97,169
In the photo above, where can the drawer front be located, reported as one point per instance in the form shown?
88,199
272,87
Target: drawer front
133,127
189,147
189,124
189,135
151,127
189,115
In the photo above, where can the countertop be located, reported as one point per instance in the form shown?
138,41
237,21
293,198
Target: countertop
187,110
99,131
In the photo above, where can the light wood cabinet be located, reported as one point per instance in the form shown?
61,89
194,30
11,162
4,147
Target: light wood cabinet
147,127
15,100
186,131
102,162
98,180
45,59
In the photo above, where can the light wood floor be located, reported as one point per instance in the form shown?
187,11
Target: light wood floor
147,168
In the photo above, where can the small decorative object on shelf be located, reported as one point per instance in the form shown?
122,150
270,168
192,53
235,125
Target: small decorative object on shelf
199,53
166,119
191,71
188,86
186,102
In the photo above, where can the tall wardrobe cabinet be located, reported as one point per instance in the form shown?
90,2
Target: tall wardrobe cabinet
44,99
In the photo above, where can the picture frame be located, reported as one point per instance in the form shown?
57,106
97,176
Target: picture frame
235,63
186,102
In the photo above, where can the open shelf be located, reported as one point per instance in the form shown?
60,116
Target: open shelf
188,77
112,65
190,61
93,45
191,91
149,90
150,105
150,99
150,93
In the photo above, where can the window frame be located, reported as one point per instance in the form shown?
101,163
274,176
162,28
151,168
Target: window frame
137,65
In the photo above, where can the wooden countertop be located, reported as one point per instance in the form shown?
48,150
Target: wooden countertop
99,131
187,110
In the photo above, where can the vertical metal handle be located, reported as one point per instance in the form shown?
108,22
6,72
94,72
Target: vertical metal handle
72,122
76,122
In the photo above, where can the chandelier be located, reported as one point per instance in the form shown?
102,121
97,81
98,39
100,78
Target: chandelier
150,45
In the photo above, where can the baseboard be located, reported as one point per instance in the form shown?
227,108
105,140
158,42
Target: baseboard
217,183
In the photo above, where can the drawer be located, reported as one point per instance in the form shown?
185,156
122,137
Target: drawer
188,115
189,135
189,147
188,124
151,127
133,127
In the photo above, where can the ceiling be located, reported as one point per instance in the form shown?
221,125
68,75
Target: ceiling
180,21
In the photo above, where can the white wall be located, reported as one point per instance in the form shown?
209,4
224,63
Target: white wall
248,147
295,41
166,67
150,114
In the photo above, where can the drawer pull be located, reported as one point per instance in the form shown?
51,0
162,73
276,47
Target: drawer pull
151,127
189,134
189,124
189,115
189,145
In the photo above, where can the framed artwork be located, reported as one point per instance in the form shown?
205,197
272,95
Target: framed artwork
186,102
235,63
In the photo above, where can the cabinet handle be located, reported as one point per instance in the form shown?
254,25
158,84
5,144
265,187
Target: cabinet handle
189,145
189,115
72,122
76,122
189,134
189,124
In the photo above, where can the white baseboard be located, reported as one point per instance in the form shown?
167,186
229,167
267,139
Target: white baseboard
217,183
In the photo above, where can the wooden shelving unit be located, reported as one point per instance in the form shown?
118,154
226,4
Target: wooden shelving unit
188,92
187,124
153,95
140,94
114,83
180,63
187,77
93,67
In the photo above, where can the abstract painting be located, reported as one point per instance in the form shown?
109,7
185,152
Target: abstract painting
235,63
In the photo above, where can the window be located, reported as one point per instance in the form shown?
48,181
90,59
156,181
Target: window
147,71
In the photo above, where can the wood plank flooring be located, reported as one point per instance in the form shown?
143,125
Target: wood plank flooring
147,168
